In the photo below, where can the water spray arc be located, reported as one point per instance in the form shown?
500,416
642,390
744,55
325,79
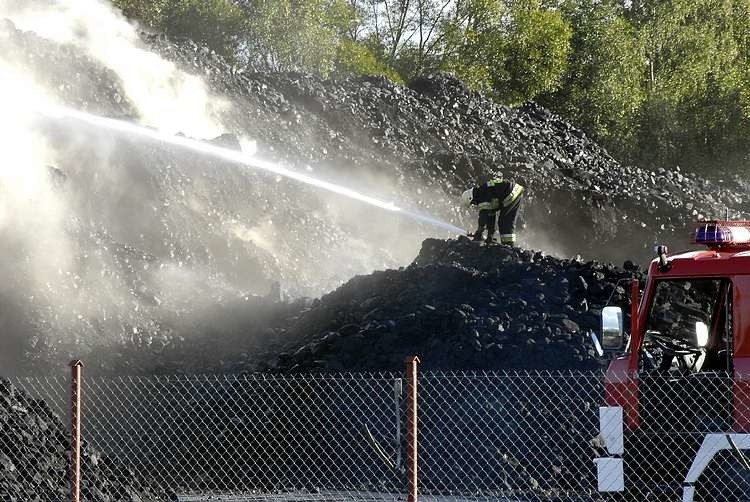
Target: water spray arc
237,157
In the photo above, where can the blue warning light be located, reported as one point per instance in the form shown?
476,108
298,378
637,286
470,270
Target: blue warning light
723,233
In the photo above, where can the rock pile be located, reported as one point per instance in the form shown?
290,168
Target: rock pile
440,136
34,452
190,235
190,241
462,306
459,305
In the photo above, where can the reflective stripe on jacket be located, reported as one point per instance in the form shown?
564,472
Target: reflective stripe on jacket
514,194
497,194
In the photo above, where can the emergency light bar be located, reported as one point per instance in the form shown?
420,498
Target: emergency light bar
718,233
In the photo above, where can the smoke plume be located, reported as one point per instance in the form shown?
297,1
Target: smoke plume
110,240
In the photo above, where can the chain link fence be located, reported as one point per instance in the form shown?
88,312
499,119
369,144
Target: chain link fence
522,436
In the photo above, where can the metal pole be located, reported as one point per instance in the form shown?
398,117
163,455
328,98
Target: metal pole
635,291
412,457
75,430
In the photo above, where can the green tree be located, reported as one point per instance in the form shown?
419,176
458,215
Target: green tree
515,50
741,17
402,34
474,47
141,10
695,79
603,89
356,58
299,35
280,35
537,50
217,24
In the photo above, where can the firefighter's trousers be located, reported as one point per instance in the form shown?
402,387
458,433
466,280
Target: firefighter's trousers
506,218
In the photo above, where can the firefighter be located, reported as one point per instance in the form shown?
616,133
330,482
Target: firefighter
497,199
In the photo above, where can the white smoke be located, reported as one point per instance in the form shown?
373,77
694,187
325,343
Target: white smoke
30,213
55,279
34,248
126,249
165,97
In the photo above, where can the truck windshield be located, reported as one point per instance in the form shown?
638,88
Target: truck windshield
674,343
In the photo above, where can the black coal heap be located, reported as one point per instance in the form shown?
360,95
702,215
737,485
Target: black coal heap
462,305
428,140
440,136
34,452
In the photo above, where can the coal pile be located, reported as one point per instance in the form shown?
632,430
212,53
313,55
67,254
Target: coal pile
229,338
164,245
460,305
161,239
34,452
438,136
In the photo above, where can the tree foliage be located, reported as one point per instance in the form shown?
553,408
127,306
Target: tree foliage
693,81
217,24
602,87
356,58
538,46
514,50
297,35
660,83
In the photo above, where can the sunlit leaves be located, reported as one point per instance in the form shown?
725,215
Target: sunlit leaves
657,82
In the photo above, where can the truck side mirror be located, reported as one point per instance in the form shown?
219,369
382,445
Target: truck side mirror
612,333
701,334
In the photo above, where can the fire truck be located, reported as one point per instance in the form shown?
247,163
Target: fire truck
677,389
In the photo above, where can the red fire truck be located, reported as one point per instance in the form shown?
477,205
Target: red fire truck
679,383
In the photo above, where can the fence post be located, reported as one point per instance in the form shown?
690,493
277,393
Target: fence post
412,457
75,430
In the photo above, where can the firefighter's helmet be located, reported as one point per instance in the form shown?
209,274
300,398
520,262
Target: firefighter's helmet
467,197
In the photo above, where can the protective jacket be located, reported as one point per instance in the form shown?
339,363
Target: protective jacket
498,199
496,194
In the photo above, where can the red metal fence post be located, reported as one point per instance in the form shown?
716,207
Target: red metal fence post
412,456
75,430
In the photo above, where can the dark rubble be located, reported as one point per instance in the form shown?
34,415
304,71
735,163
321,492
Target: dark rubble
462,306
34,452
459,305
437,134
425,142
